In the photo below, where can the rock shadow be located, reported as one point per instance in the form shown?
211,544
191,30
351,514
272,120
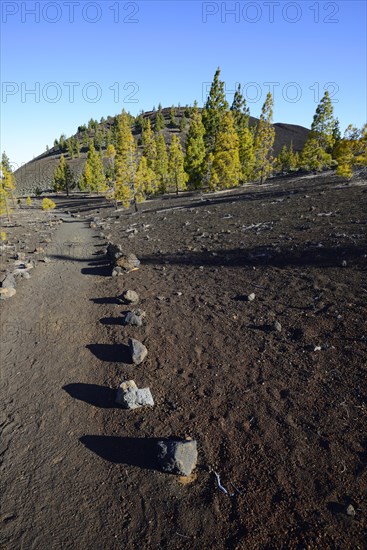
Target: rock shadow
133,451
98,396
99,268
107,300
112,321
112,353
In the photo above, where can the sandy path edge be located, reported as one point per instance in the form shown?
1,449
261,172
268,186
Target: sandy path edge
50,483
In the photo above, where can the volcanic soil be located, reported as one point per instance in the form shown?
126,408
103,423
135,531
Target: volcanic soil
272,388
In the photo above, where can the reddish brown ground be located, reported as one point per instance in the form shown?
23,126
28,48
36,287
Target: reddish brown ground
283,424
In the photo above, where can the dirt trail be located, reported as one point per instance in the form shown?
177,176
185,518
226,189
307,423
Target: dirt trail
50,484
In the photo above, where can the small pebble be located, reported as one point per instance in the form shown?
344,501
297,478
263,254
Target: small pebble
277,326
351,511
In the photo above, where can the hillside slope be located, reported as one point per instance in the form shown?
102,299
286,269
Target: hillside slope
38,172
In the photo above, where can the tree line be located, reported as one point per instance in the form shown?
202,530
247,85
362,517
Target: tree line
219,150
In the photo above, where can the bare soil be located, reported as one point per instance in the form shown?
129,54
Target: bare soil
279,416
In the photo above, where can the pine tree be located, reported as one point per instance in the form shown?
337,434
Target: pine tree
149,145
108,137
62,143
7,186
98,139
188,111
345,157
226,166
110,156
125,161
145,180
60,183
296,162
293,158
241,113
139,122
264,141
160,123
5,162
85,139
360,147
94,177
350,150
183,123
316,154
284,160
92,124
85,180
70,147
161,163
77,148
247,153
195,150
172,117
177,176
324,127
336,135
215,107
208,172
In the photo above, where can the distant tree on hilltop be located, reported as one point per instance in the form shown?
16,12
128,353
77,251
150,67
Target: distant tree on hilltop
264,141
160,123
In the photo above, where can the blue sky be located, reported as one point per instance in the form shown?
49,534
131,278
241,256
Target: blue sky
85,59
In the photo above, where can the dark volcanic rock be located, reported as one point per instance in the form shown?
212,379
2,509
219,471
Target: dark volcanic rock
177,457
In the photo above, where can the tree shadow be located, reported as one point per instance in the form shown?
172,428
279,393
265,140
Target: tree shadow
133,451
327,256
112,353
98,396
239,194
78,204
